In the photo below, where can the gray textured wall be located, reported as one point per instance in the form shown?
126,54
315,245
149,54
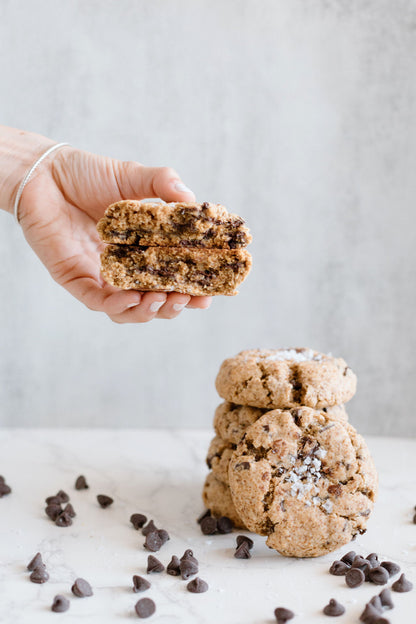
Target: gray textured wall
297,114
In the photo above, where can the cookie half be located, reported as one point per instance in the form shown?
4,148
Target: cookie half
285,378
304,480
173,224
217,497
188,271
231,420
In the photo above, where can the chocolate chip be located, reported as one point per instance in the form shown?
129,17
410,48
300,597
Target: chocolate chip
282,615
334,608
164,535
242,551
53,510
349,557
145,607
339,568
62,496
362,564
391,567
149,528
104,501
402,585
153,541
173,566
35,562
81,588
188,567
4,488
68,509
376,602
209,525
63,520
243,466
370,614
53,500
188,554
154,565
81,483
197,586
224,525
243,538
335,490
39,574
372,558
378,575
381,620
138,520
354,577
385,598
60,604
204,514
140,584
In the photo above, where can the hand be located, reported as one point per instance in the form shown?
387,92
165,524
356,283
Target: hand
58,212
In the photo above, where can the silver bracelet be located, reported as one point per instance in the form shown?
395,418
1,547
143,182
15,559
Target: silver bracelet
28,176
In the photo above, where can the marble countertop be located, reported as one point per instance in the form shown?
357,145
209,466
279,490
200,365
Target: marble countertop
160,474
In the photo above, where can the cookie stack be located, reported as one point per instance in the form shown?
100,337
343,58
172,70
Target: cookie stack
190,248
285,462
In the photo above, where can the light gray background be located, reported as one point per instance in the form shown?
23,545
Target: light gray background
297,114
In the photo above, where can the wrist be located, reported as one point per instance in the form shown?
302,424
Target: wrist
18,151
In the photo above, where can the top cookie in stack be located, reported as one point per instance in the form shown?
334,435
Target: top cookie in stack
196,249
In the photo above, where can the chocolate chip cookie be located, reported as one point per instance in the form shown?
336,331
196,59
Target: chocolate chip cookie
285,378
303,479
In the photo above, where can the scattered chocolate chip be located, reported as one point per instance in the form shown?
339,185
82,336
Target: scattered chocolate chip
35,562
4,488
339,568
138,520
282,615
372,558
354,577
188,554
164,535
402,585
173,566
378,575
154,565
149,528
39,574
104,501
385,598
209,525
81,483
153,541
188,567
53,510
224,525
376,602
197,586
203,515
69,510
391,567
243,538
63,520
242,551
334,608
60,604
62,496
349,557
145,607
140,584
81,588
53,500
370,614
361,564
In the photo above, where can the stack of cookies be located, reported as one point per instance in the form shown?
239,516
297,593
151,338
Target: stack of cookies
285,462
190,248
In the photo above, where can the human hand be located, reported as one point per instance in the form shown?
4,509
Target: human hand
58,212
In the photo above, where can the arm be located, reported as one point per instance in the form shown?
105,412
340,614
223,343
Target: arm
60,207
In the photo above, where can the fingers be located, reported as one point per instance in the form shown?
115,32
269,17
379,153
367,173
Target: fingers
175,303
200,303
145,311
138,182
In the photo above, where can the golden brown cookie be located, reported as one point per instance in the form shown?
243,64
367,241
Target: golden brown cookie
284,378
217,498
218,458
231,420
175,224
303,479
184,270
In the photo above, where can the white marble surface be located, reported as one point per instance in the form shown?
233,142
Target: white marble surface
161,474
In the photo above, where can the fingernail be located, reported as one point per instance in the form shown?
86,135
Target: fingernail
156,305
178,306
133,305
182,188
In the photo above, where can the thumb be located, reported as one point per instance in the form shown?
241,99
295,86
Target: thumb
136,181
